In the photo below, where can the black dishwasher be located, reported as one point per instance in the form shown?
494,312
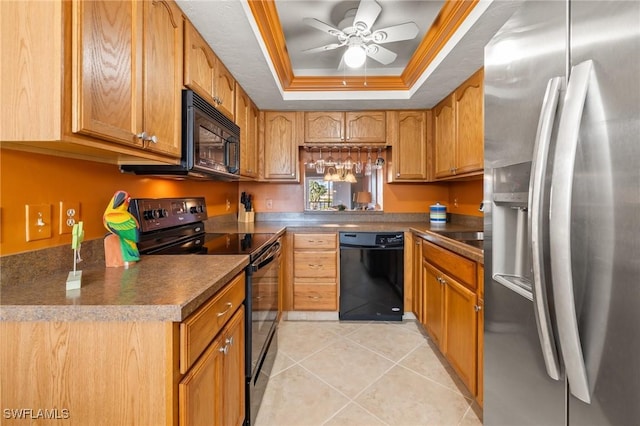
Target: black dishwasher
371,276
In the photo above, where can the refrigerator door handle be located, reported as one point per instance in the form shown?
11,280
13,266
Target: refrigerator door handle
560,230
537,195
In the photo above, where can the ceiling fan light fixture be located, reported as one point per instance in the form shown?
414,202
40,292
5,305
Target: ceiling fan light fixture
355,56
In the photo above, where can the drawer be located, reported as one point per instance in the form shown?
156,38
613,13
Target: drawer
315,264
459,267
315,241
201,327
315,297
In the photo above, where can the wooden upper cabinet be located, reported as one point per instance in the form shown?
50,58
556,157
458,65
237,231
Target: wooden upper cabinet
324,127
444,138
459,130
199,63
247,119
365,127
127,72
205,74
407,135
279,146
470,125
107,73
357,127
163,76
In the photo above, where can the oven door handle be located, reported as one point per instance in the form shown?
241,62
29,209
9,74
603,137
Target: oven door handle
267,257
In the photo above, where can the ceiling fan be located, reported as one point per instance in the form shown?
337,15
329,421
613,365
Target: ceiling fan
356,32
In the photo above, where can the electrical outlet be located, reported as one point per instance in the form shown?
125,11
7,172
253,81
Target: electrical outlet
38,220
269,204
69,216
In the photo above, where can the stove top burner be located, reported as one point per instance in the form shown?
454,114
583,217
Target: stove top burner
217,244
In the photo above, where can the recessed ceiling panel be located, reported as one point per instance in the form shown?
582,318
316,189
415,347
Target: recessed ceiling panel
339,14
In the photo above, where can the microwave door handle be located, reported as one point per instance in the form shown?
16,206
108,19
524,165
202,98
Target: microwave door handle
537,195
560,230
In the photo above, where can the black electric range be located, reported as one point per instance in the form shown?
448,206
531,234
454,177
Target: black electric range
175,226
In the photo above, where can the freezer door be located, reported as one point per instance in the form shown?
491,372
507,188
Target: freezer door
517,390
605,211
519,62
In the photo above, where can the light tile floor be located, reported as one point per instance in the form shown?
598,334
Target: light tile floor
362,373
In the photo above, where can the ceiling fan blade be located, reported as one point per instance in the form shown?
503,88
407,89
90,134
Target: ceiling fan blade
366,15
323,48
381,54
319,25
406,31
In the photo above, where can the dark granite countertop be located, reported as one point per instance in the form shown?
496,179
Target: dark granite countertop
157,288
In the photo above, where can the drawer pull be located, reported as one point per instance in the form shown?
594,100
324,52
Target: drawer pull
229,305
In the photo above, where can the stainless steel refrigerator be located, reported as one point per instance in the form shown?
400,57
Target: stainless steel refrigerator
562,216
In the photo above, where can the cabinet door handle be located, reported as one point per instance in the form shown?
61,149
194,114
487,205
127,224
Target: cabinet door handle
229,341
224,349
142,135
229,305
477,308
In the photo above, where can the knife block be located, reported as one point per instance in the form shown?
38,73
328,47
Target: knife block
245,216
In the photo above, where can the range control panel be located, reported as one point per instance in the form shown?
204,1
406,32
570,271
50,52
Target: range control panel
161,213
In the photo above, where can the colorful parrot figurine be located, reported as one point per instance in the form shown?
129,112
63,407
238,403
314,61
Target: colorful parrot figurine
119,221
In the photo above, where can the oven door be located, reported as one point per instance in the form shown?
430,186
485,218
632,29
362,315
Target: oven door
263,310
263,278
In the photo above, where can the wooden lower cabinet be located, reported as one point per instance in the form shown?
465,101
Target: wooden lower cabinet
130,372
433,302
315,272
213,392
460,330
452,311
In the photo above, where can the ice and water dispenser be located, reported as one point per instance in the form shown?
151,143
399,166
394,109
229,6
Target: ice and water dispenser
511,260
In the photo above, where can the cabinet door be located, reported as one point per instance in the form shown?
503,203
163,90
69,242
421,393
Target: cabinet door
434,299
246,118
418,289
200,391
107,75
323,127
233,395
445,137
163,76
280,146
365,127
199,64
213,390
470,125
410,147
224,90
460,330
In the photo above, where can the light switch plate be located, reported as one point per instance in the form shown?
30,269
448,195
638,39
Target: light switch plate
38,221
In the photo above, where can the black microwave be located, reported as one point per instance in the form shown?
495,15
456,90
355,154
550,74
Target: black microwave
210,144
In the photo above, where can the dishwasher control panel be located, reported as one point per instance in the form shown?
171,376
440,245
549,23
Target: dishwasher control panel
371,239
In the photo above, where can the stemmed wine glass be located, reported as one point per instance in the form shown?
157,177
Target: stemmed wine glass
311,164
320,164
358,165
367,167
348,162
